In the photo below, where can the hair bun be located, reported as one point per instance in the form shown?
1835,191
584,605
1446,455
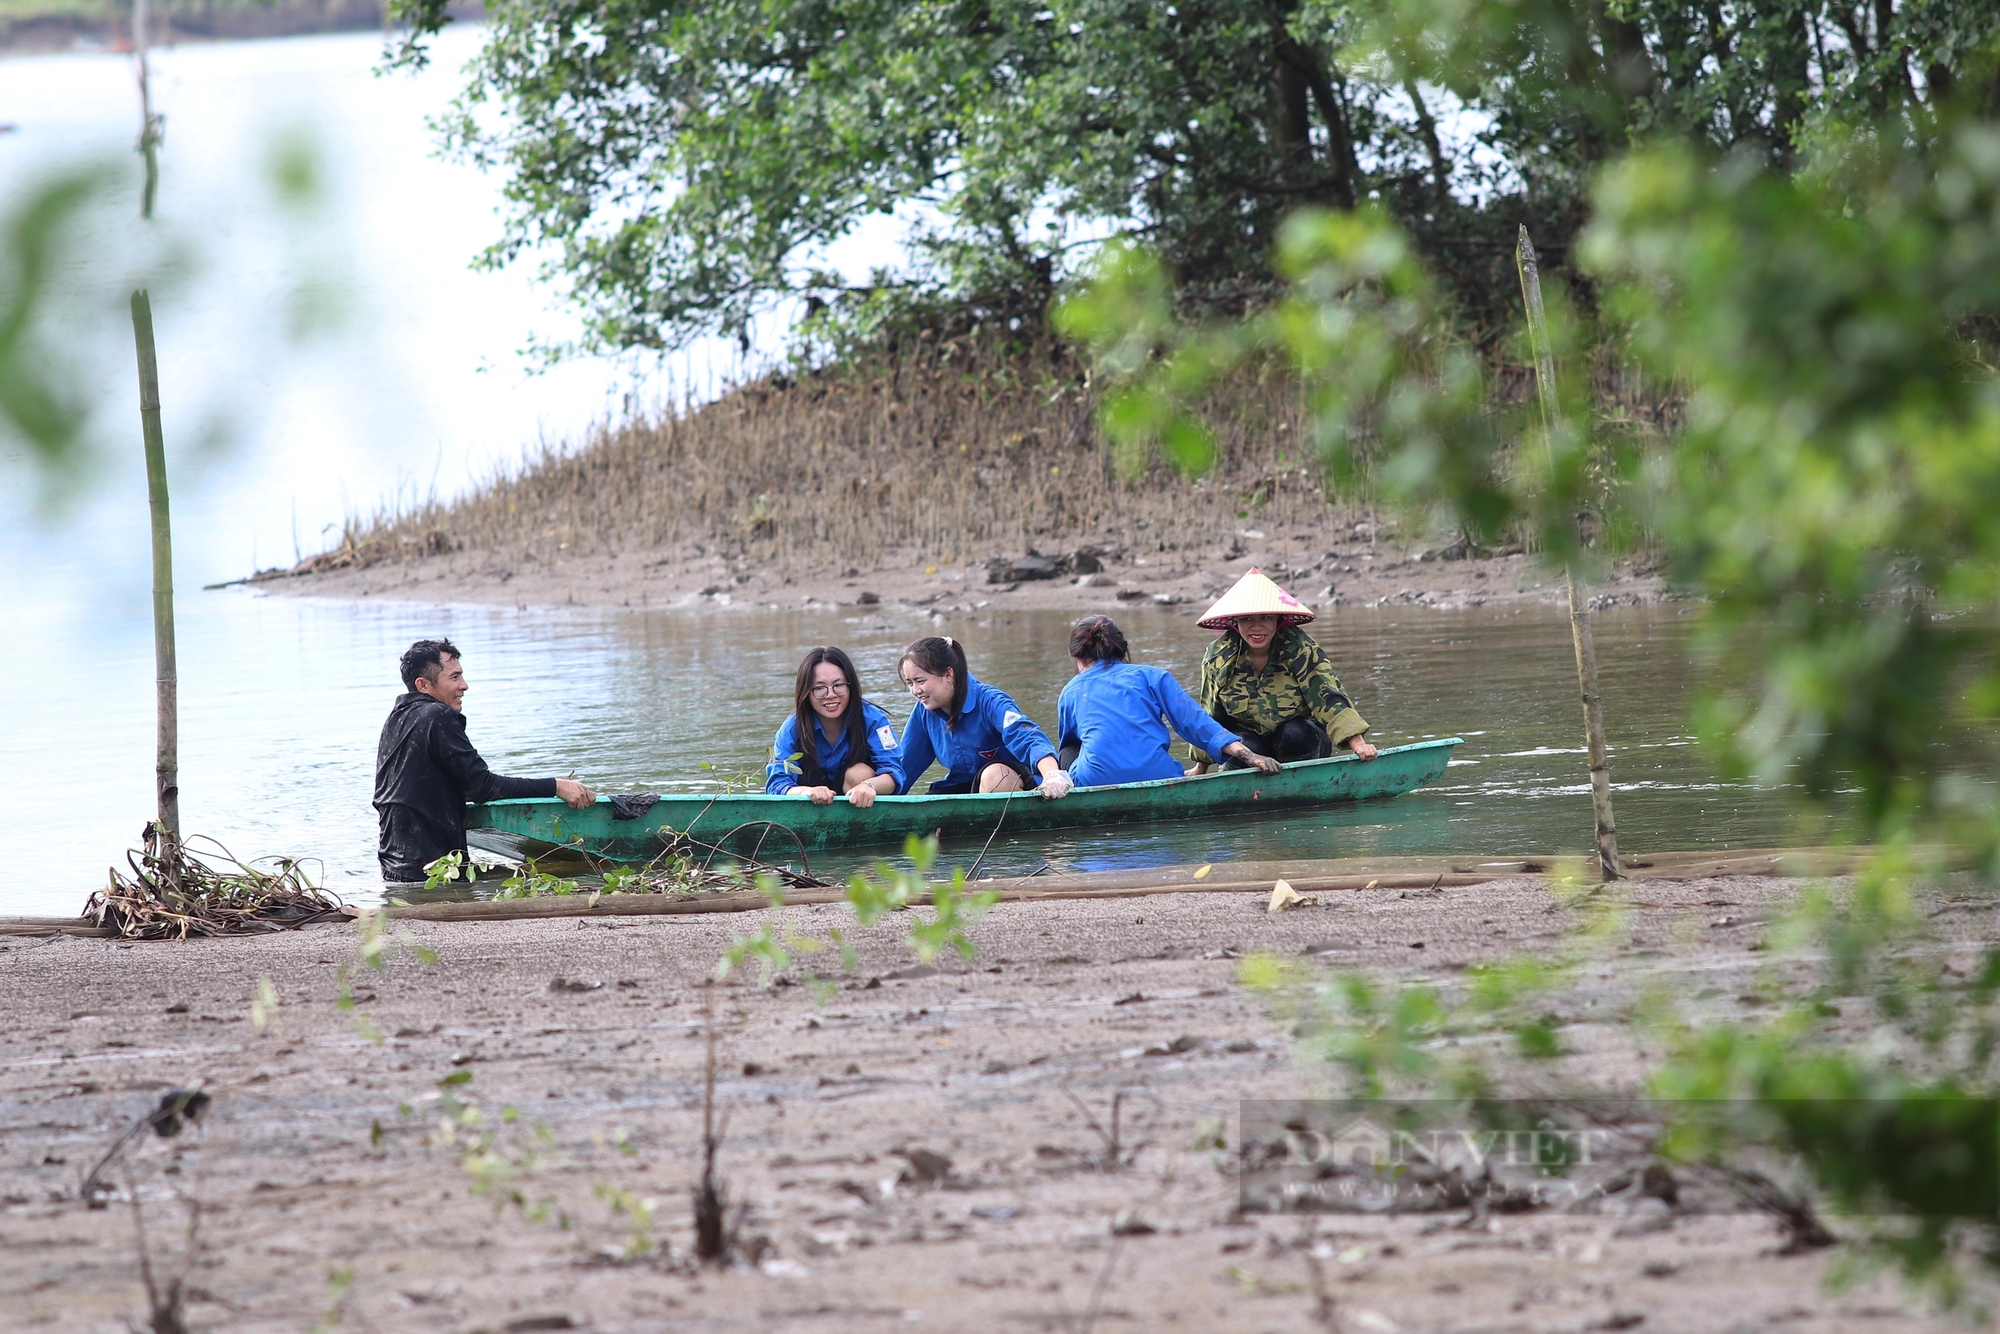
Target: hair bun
1097,638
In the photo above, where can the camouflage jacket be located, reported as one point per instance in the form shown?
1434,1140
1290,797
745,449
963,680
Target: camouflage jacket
1298,682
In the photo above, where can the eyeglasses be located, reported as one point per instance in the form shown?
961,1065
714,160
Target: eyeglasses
827,691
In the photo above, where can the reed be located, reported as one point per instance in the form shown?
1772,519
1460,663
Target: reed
951,449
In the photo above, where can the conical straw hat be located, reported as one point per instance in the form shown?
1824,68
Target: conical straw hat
1255,595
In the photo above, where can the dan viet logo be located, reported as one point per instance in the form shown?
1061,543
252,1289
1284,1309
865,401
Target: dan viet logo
1329,1157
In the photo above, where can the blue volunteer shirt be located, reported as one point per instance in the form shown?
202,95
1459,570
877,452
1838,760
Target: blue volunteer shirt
990,728
1114,712
781,775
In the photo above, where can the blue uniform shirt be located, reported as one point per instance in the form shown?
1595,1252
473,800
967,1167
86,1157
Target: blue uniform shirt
990,728
1114,710
781,775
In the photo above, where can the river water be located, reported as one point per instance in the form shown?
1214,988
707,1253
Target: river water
283,699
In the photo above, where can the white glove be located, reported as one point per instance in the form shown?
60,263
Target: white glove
1057,785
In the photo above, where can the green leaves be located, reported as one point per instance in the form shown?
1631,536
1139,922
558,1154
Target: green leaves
955,909
37,402
1829,493
532,882
452,866
681,169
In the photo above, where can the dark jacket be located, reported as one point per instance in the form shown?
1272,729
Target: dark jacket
425,772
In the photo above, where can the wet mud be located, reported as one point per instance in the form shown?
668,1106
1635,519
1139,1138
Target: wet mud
902,1147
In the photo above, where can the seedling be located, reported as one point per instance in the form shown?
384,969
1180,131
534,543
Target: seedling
496,1152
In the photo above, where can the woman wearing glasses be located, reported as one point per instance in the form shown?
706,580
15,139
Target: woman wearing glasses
835,743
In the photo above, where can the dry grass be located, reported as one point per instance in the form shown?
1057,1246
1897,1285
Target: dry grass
173,893
956,450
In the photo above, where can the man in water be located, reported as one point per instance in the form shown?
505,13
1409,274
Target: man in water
426,769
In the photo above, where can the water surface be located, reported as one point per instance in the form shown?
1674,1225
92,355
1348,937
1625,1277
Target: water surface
283,700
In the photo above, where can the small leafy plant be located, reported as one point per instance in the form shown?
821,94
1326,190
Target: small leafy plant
496,1150
452,866
377,941
532,882
954,910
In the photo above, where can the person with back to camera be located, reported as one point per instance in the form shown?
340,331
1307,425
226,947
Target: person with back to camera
1112,716
1267,680
426,769
848,747
982,738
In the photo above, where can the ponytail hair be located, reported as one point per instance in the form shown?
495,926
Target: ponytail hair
852,724
935,657
1097,639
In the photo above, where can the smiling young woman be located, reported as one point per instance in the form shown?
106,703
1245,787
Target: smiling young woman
980,735
835,744
1266,680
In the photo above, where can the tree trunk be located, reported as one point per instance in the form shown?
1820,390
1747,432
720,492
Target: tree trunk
166,677
1291,116
1344,170
1427,128
1791,84
1579,611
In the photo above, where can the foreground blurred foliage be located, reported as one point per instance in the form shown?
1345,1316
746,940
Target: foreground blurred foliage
1832,495
39,403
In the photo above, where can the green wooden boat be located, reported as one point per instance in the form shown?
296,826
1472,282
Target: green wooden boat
740,823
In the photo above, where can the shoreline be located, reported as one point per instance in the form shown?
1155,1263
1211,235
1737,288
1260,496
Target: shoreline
1315,876
1326,573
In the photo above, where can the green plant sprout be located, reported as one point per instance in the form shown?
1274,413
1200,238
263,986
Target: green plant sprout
531,882
339,1284
955,909
264,1009
452,866
496,1151
743,780
376,942
638,1216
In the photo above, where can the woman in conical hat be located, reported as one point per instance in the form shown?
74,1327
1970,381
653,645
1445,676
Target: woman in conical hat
1266,679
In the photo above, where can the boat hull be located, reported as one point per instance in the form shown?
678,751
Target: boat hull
536,826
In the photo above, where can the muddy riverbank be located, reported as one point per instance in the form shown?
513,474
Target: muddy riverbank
1327,570
321,1199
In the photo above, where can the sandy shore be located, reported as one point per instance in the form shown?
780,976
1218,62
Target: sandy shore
322,1203
1326,574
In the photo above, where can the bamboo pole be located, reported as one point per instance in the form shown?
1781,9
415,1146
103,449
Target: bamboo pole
1579,611
150,125
166,676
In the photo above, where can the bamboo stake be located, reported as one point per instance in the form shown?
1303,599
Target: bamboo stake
1579,612
150,125
166,676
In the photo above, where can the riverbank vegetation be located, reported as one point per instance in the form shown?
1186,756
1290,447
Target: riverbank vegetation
947,448
693,171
